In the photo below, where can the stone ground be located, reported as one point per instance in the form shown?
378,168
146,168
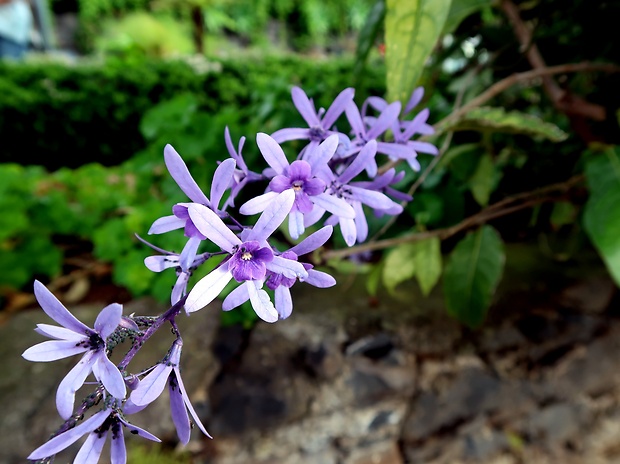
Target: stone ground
350,379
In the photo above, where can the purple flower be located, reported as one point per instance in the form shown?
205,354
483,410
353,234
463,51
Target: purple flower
250,259
301,178
167,373
222,179
319,123
73,338
281,283
98,426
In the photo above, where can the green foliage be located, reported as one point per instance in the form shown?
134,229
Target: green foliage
412,29
421,259
473,270
602,212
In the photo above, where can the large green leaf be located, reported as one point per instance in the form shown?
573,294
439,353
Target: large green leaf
461,9
421,259
500,120
472,273
602,211
412,28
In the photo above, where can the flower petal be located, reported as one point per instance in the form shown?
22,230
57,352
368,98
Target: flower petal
337,107
211,226
296,224
118,452
348,231
257,204
188,404
159,263
284,303
305,107
235,298
179,172
222,179
208,288
108,319
272,217
53,350
178,411
56,310
65,395
262,305
287,267
188,254
90,452
297,133
272,152
320,279
152,385
109,375
361,161
134,429
384,121
66,439
372,198
59,333
166,224
334,205
313,241
355,119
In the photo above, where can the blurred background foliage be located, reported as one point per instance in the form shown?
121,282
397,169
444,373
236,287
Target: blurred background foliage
82,167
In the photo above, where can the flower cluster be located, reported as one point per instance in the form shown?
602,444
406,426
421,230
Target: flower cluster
334,178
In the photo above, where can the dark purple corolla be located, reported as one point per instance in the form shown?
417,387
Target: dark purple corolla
249,259
301,178
72,338
108,421
151,387
281,283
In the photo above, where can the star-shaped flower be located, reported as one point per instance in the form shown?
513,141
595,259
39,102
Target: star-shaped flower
75,337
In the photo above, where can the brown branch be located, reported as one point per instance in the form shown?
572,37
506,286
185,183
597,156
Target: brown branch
502,208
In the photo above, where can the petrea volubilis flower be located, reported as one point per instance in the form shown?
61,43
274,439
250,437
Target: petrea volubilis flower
167,373
108,421
72,338
299,177
242,175
281,284
249,259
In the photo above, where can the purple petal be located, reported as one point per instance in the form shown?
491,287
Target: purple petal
108,319
207,289
334,205
299,170
109,375
415,124
66,439
55,309
262,305
53,350
347,228
179,172
416,97
180,288
272,217
305,107
278,184
323,153
284,303
320,279
130,408
424,147
284,135
376,102
384,121
65,395
166,224
302,204
118,452
242,270
314,186
360,222
315,215
90,452
222,179
376,200
355,120
188,404
211,226
134,429
337,107
178,411
296,223
152,385
287,267
313,241
361,161
188,254
159,263
236,298
259,203
272,152
396,150
59,333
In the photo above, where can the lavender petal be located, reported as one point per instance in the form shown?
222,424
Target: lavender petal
287,267
337,107
90,452
262,305
178,411
272,152
108,319
284,135
188,404
118,452
385,120
188,254
66,439
324,152
222,179
416,97
179,172
372,198
347,228
139,431
360,222
361,161
296,224
159,263
59,333
313,241
109,375
65,395
235,298
334,205
355,119
320,279
56,310
258,204
207,289
211,226
305,107
180,287
166,224
151,386
284,303
53,350
424,147
272,217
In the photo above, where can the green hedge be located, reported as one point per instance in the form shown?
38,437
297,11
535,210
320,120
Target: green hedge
54,114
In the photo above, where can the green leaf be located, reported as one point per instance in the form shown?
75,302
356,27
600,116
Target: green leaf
373,279
500,120
367,35
461,9
412,29
601,217
483,182
472,273
421,259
